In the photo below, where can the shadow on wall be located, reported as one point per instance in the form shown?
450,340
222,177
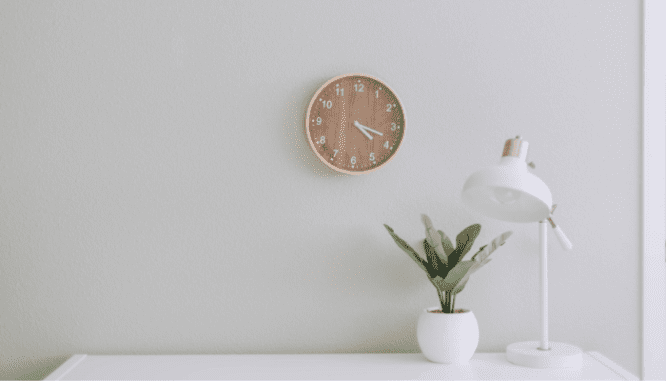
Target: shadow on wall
294,130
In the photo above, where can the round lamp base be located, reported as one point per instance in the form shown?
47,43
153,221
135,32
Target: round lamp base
560,355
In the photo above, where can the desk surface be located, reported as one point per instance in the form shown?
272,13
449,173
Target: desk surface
482,366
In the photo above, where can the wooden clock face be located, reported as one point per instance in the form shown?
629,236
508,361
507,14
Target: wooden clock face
355,123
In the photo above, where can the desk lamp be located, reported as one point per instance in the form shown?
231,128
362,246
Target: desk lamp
509,192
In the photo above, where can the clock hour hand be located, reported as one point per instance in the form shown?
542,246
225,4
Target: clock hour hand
375,131
362,129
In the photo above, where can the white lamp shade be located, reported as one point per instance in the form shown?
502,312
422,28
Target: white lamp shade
508,192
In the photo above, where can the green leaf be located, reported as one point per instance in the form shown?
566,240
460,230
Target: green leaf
460,272
480,264
464,242
439,284
446,243
481,259
434,240
411,252
482,253
462,284
440,268
485,251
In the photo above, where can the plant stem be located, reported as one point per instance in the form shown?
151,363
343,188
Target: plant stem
447,302
442,300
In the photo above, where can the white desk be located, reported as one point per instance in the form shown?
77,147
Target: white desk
482,366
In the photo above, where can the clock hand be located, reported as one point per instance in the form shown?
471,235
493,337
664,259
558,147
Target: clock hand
371,130
362,129
359,125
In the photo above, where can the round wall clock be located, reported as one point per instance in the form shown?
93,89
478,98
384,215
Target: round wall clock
355,123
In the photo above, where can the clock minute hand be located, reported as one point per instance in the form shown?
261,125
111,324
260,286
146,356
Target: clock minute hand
362,129
365,129
371,130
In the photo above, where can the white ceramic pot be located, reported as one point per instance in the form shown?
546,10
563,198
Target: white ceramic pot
447,338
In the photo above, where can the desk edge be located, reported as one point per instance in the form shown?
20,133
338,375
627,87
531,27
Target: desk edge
73,361
610,364
66,367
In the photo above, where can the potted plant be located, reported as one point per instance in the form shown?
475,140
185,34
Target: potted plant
447,335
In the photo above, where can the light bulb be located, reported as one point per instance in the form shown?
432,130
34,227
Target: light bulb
505,195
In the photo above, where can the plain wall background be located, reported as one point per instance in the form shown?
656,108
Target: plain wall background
158,196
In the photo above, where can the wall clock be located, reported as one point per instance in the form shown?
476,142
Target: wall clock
355,123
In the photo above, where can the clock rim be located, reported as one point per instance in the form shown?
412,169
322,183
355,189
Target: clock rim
307,123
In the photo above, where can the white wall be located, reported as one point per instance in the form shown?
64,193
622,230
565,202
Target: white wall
158,196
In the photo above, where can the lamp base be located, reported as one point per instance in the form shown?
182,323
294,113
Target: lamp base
560,355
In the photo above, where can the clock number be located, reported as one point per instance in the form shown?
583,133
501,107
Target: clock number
359,87
372,156
394,127
322,140
386,144
318,121
335,152
340,91
327,104
376,93
353,160
388,107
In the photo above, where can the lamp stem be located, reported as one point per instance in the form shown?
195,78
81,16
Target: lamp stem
543,249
